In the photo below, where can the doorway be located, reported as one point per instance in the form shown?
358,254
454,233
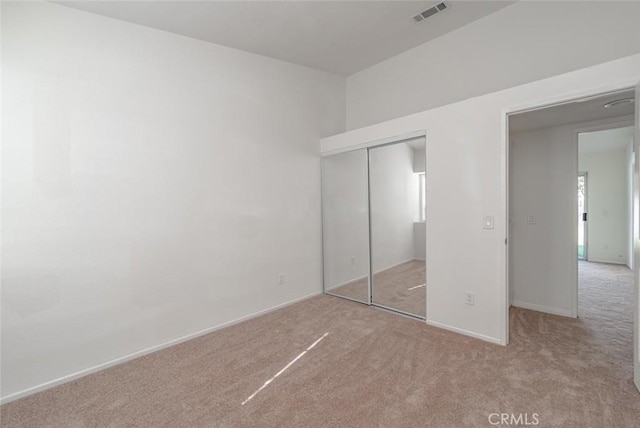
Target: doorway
545,241
547,193
605,189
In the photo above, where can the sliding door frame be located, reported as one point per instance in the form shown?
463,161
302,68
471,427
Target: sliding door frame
368,146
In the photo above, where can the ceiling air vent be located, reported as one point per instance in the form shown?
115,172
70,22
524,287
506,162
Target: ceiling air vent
430,12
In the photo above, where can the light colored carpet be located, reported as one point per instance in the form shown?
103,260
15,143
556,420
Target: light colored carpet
372,369
400,287
357,290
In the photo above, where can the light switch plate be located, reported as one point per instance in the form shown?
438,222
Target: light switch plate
488,222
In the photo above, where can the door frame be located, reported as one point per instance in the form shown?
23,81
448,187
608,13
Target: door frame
585,174
367,146
636,239
576,142
504,180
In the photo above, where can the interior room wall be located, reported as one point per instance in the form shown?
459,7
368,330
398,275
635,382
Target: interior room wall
521,43
345,218
608,199
419,160
542,170
394,195
465,164
154,187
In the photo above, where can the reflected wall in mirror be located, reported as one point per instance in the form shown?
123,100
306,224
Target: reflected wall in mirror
398,232
345,225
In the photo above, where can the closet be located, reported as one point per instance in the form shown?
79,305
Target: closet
374,226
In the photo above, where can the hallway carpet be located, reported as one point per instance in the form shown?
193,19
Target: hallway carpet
349,365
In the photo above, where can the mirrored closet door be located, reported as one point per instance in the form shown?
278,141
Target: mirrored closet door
374,226
345,225
397,195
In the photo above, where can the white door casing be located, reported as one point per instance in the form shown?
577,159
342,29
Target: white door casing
636,241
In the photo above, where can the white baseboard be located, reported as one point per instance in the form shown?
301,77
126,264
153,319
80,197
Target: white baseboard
143,352
541,308
609,262
489,339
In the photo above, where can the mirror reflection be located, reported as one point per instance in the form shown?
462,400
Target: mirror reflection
346,225
398,228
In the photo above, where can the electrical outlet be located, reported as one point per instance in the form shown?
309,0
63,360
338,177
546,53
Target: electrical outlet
281,279
469,298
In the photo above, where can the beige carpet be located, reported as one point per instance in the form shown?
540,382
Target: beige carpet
357,290
373,369
400,287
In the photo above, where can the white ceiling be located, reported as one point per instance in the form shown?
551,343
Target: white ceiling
341,37
610,139
577,111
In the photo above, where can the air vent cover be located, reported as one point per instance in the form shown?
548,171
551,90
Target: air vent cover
430,12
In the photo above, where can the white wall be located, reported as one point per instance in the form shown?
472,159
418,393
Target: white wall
542,183
466,175
394,197
419,160
521,43
345,213
608,199
153,186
